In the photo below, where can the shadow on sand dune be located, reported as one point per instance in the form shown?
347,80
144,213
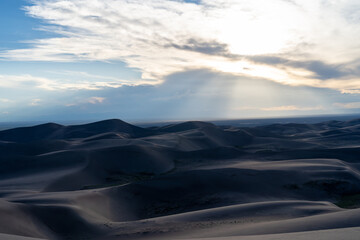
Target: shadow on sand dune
113,180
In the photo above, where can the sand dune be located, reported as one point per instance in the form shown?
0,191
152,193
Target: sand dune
344,234
15,237
51,131
193,180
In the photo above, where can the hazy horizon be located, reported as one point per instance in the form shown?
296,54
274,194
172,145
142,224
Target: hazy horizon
236,122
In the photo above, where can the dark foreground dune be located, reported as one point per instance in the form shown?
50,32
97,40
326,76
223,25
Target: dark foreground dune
194,180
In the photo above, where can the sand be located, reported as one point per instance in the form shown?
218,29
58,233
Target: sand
192,180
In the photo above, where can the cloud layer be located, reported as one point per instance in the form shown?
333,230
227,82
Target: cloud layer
196,59
193,94
300,43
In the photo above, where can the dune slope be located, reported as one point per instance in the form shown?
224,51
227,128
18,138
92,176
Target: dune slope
193,180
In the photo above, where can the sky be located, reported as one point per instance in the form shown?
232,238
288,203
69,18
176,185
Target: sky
178,59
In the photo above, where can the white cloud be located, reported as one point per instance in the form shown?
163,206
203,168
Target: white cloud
161,37
90,76
27,81
280,108
292,108
350,105
90,100
95,100
5,100
188,95
35,102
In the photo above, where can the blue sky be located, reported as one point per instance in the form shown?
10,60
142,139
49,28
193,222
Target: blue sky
177,60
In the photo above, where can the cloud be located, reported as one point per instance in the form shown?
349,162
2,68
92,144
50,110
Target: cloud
206,47
195,94
284,108
192,94
90,76
35,102
5,100
27,81
84,100
96,100
321,70
351,91
302,43
292,108
350,105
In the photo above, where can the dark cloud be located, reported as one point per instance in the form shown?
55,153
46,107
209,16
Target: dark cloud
320,69
193,1
206,47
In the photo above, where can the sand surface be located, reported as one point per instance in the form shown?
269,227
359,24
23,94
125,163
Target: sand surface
193,180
